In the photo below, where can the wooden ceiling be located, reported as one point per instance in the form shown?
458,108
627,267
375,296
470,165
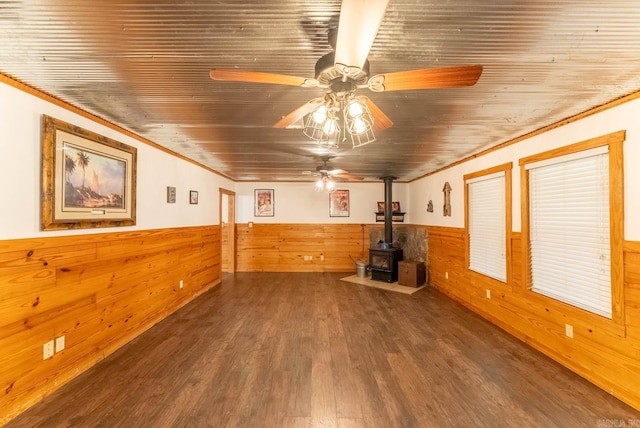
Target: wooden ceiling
144,65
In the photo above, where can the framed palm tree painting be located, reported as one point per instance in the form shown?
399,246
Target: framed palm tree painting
88,180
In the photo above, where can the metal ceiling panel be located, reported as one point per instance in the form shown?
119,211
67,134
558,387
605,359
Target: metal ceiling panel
144,65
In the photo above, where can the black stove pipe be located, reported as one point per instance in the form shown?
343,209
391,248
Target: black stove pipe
388,214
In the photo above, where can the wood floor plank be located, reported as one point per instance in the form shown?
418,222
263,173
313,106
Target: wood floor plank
309,350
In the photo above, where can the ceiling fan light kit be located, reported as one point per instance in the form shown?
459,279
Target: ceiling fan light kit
325,183
323,124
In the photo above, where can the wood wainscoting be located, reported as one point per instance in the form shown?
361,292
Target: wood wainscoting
608,356
268,247
99,291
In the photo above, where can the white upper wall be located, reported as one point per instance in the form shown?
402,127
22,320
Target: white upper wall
20,139
623,117
300,203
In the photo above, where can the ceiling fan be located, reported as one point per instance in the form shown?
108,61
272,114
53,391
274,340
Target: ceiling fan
325,169
345,70
326,173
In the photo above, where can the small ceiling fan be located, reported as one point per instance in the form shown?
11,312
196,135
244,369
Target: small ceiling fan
327,173
345,70
325,170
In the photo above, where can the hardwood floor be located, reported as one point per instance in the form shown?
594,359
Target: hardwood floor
309,350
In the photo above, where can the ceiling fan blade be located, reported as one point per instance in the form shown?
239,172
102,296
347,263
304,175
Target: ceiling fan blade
227,75
428,78
337,171
381,121
299,113
357,28
345,175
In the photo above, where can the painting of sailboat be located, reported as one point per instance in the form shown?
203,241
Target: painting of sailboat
92,179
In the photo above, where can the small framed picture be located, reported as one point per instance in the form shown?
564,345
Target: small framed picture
339,203
171,195
263,200
380,207
193,197
395,207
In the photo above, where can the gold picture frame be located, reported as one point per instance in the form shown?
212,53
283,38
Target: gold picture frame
88,180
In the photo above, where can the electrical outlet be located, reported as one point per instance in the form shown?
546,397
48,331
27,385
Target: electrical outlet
568,329
488,293
181,283
59,343
47,350
446,275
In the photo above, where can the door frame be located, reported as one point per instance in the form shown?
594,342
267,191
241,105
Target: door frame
231,224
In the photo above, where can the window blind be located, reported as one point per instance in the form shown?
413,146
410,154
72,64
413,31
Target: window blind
569,230
486,228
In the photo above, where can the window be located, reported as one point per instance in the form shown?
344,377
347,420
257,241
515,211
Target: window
486,219
570,215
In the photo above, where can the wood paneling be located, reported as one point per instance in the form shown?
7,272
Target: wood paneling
99,291
607,356
282,247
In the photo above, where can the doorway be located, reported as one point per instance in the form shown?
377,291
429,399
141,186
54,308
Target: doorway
227,231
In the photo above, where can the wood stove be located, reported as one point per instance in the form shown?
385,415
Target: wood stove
384,258
384,263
